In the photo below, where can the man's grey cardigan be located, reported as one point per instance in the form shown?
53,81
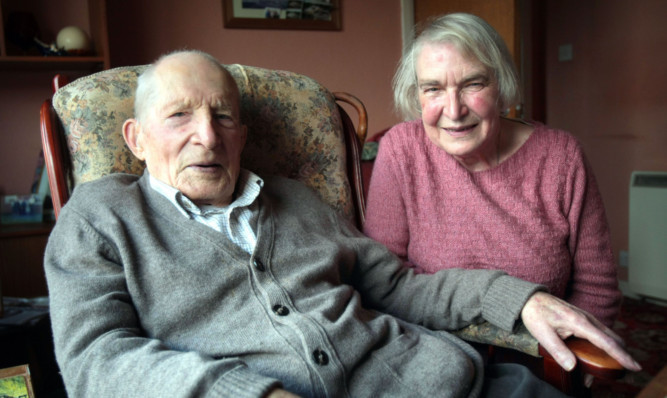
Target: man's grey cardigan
147,303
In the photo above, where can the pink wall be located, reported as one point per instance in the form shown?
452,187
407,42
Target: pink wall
359,59
613,94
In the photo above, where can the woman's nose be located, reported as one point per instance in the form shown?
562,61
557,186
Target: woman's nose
454,107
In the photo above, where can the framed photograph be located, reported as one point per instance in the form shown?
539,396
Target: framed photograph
16,382
282,14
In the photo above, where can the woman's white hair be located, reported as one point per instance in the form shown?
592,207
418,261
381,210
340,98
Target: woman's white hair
473,37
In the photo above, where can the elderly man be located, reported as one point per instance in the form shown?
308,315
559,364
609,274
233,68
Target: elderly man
203,279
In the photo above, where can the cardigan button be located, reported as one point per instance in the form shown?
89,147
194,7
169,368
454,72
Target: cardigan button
258,265
321,358
280,310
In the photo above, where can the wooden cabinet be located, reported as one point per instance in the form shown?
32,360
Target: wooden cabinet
25,76
521,25
22,259
46,18
501,14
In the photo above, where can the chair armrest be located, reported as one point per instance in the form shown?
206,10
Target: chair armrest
590,359
487,333
362,126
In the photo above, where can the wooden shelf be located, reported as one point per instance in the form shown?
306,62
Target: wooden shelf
21,259
22,246
51,63
27,229
92,18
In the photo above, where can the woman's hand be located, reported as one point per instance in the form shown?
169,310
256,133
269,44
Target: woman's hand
551,320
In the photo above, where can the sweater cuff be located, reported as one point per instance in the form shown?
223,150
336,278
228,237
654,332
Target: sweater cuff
505,299
241,382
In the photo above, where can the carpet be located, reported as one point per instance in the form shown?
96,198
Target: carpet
643,326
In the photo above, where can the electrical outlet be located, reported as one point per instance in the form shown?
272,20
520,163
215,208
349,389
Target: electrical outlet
623,258
565,52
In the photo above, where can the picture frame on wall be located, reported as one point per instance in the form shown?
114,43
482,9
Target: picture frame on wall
282,14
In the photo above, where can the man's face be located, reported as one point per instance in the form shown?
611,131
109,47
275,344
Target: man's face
192,137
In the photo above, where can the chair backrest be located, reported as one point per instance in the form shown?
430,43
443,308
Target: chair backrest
295,129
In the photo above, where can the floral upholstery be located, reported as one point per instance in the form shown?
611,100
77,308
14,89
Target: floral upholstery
486,333
294,128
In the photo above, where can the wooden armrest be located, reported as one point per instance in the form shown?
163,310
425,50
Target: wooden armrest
362,127
592,360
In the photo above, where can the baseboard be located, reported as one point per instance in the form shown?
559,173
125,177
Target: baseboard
625,289
624,286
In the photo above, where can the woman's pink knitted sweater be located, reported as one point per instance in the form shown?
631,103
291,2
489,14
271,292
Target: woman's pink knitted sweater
538,215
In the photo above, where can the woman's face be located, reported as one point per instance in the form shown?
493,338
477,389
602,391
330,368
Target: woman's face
459,103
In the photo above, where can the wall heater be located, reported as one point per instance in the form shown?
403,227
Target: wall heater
647,255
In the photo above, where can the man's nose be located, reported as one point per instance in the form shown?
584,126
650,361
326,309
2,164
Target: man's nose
207,132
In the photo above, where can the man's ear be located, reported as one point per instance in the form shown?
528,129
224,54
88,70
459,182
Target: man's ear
131,132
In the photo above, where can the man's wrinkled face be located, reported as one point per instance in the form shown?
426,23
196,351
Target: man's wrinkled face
192,137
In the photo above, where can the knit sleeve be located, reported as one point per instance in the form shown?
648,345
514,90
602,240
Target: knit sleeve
594,284
386,214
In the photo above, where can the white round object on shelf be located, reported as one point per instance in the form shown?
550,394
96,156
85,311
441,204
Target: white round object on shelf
73,38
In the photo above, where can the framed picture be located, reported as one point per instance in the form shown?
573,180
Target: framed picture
282,14
16,382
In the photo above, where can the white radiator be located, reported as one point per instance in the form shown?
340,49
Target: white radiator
648,234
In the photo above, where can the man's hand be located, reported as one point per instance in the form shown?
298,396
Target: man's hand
551,320
280,393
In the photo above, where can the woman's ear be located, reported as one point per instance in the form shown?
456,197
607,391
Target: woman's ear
131,133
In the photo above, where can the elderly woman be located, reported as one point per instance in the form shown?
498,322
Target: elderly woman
464,187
